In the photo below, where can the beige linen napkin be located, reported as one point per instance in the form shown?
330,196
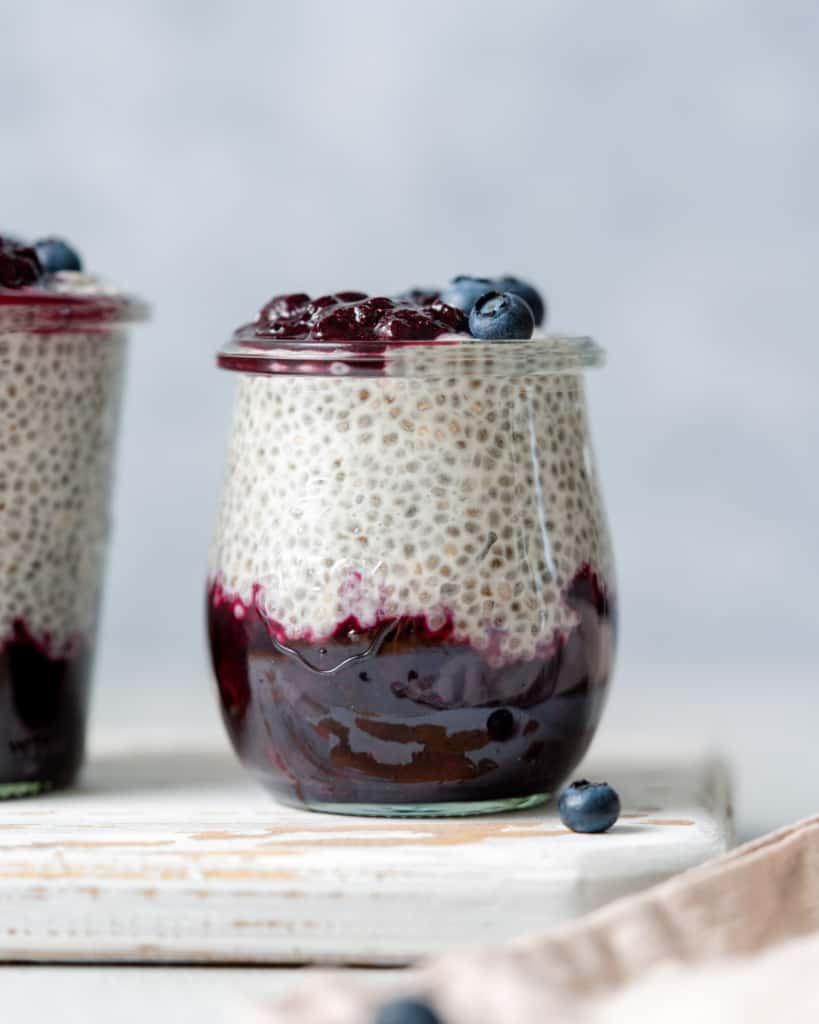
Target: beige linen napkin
730,940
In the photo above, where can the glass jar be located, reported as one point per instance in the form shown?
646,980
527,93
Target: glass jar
411,599
61,369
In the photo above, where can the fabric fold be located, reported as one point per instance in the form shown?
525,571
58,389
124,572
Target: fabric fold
753,910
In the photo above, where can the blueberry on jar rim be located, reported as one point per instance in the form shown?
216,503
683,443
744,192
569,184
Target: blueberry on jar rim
55,256
501,316
530,295
418,296
463,292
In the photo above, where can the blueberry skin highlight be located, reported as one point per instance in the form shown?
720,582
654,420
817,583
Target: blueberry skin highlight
405,1011
589,807
501,316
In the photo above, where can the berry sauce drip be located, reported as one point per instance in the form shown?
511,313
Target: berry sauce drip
354,316
43,698
19,265
400,712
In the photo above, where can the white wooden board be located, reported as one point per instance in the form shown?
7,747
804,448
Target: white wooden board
176,856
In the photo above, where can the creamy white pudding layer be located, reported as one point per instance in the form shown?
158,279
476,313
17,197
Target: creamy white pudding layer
466,498
59,400
80,284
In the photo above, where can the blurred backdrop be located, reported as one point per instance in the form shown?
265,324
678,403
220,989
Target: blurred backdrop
653,167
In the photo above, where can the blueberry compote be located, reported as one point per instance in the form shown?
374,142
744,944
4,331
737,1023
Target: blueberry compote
43,699
354,316
401,716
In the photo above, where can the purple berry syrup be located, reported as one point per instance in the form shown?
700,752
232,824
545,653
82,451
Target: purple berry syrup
43,698
400,714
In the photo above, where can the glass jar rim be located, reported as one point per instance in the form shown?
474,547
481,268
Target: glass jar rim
448,356
57,312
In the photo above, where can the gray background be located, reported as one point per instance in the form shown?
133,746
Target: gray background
653,166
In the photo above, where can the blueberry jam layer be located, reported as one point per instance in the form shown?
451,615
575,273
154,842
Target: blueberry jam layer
355,316
43,700
399,714
19,264
297,335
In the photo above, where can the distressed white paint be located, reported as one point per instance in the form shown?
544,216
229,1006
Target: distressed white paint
179,857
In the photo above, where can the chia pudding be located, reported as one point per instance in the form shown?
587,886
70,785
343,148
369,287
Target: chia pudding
62,352
411,598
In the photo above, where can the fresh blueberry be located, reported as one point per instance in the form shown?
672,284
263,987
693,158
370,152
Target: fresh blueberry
56,255
501,316
589,806
405,1011
418,296
463,292
508,283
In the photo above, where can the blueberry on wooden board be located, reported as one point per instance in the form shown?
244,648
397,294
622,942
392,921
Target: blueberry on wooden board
405,1011
589,806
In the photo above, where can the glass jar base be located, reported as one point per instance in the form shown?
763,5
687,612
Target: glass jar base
451,809
17,790
54,779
